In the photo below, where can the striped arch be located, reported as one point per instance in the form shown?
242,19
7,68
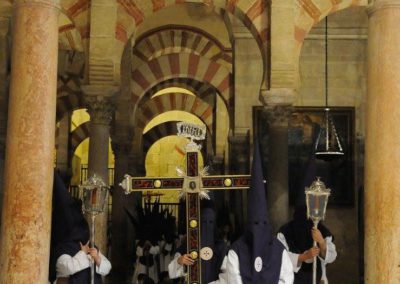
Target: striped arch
174,101
79,135
203,90
309,12
69,104
167,129
180,39
69,95
68,36
180,66
78,12
253,13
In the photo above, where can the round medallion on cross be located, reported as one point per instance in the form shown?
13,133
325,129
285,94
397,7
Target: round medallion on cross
157,183
194,255
193,223
227,182
192,185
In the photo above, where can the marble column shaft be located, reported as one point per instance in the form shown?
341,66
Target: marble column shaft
382,155
28,176
100,109
278,168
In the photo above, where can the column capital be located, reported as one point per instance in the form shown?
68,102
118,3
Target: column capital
46,3
100,109
278,115
278,96
99,101
378,5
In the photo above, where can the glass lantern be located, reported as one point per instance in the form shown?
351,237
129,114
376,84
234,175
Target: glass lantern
317,199
95,193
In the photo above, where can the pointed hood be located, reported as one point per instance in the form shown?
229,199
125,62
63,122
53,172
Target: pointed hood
309,176
258,227
259,252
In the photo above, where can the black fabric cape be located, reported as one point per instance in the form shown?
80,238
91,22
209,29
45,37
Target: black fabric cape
299,239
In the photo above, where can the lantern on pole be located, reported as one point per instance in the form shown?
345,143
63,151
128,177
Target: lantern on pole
317,200
95,193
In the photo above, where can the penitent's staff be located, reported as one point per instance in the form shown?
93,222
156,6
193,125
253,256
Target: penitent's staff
95,193
316,199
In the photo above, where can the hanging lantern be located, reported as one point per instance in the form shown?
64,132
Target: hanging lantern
327,146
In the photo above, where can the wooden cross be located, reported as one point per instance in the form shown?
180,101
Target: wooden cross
193,186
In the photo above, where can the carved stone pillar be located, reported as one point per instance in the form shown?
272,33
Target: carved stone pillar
382,167
28,173
100,108
277,167
239,164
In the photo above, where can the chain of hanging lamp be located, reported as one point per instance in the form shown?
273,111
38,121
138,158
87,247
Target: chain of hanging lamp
327,146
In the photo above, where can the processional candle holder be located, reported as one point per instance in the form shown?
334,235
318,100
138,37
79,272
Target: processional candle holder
95,193
316,199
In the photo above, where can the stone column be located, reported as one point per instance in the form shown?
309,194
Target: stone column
28,174
382,156
239,164
278,167
100,109
120,255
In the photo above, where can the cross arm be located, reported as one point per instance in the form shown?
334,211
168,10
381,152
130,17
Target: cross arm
137,184
225,182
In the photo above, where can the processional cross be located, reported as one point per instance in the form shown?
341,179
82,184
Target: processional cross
193,186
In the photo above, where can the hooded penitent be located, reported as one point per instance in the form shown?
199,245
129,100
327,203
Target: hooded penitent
211,263
212,251
298,231
69,228
299,239
259,252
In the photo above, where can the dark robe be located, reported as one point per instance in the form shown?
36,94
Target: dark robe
299,239
69,228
